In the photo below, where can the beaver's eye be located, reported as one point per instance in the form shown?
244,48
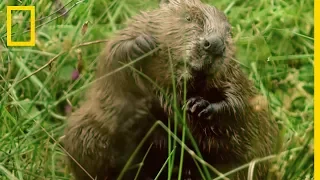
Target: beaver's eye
229,30
188,18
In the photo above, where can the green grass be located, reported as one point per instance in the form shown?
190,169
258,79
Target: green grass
274,42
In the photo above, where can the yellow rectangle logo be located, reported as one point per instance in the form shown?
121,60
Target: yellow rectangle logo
32,41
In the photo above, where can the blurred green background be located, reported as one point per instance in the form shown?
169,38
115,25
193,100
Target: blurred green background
38,87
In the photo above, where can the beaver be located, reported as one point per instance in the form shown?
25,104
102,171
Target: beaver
182,51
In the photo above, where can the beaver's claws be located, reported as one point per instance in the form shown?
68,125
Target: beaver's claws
200,107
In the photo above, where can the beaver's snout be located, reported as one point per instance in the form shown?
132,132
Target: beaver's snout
213,45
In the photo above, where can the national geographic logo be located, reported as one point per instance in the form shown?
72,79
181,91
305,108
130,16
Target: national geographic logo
32,26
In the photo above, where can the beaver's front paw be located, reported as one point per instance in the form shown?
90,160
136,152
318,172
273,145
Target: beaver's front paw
142,45
200,107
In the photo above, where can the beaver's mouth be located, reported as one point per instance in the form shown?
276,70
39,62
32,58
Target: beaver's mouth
206,64
202,61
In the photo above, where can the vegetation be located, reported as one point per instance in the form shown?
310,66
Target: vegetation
40,85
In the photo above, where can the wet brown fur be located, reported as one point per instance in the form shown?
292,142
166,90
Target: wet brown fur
120,108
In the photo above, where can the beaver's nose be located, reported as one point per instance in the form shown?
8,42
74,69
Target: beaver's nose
213,44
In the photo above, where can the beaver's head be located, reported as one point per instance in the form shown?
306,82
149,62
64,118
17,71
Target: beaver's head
194,36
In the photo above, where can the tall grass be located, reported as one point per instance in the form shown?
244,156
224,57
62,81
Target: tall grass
37,88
